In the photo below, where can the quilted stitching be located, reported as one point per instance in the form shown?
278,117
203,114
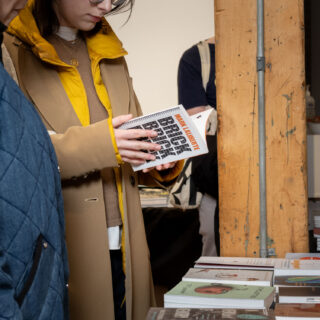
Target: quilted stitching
30,203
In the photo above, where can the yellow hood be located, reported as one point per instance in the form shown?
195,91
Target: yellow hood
103,45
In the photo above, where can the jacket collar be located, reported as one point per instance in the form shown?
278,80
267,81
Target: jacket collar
103,45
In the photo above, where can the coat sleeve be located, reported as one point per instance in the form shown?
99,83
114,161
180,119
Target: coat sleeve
82,150
9,308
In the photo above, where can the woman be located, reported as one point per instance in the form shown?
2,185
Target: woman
70,64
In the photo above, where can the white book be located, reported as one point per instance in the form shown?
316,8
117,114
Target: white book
234,276
299,295
303,256
239,263
298,267
179,135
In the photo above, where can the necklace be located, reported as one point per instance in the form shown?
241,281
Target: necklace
68,50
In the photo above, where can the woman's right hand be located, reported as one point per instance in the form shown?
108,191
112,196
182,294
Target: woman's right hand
129,145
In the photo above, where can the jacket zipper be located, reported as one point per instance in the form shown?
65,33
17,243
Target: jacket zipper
33,271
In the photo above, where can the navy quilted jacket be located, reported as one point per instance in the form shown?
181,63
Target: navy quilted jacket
33,260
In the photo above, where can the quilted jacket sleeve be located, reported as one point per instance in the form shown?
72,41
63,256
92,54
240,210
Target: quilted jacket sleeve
9,309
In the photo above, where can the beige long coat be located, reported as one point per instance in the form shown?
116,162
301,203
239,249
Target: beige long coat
90,285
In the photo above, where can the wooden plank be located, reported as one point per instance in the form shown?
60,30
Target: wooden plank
236,77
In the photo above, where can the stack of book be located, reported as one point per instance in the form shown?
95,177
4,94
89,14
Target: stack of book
298,286
153,197
316,230
228,283
227,287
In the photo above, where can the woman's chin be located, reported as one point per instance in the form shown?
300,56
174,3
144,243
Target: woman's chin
88,26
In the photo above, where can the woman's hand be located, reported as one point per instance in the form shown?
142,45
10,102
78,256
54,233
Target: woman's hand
161,167
129,145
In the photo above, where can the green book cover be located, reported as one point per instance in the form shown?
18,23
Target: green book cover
220,291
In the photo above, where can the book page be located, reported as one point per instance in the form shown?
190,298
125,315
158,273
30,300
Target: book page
177,134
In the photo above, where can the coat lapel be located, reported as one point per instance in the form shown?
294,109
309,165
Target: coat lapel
116,82
54,105
47,92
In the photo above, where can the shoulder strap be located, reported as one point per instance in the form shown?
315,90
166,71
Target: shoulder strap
10,48
8,63
204,52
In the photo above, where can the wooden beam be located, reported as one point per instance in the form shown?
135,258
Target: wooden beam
238,150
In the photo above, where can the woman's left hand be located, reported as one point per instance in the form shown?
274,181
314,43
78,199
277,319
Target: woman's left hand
161,167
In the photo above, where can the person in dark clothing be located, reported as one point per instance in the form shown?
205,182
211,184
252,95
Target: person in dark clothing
191,93
33,256
196,92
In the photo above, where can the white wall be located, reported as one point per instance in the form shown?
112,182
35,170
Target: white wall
156,35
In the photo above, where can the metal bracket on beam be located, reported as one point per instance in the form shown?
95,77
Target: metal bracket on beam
271,252
261,64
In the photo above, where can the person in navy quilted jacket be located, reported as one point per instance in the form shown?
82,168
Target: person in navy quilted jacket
33,257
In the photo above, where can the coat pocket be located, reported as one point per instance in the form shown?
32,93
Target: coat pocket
32,273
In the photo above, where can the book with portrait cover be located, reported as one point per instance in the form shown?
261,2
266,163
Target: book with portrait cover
181,136
234,276
218,295
209,314
297,311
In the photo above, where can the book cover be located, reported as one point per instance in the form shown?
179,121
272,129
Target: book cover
299,295
180,137
234,276
297,281
187,293
297,311
209,314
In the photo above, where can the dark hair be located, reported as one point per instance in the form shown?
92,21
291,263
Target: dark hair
48,23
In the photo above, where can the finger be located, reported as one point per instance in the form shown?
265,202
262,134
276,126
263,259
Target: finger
133,161
143,156
118,121
137,145
136,133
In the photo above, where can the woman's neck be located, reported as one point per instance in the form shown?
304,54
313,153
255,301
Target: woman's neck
67,33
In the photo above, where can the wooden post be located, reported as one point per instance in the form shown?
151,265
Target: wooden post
238,150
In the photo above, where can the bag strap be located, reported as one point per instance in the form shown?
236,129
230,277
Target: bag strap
205,58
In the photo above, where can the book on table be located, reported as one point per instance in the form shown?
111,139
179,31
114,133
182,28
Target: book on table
303,256
299,295
297,267
218,295
181,136
297,311
208,314
296,281
233,276
239,263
